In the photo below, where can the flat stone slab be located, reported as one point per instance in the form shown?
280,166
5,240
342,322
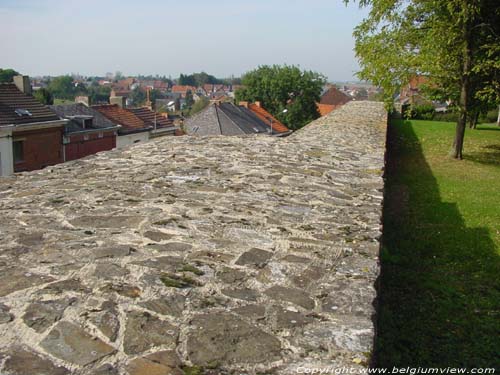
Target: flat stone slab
144,331
71,343
184,255
225,338
15,279
23,362
296,296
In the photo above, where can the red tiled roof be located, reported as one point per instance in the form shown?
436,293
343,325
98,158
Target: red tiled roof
325,109
183,89
120,116
148,116
334,97
264,116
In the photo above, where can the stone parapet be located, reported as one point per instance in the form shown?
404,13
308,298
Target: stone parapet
238,255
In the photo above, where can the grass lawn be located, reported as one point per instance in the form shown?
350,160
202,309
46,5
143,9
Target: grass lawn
440,283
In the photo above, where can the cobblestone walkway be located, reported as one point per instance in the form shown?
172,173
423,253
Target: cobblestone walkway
222,255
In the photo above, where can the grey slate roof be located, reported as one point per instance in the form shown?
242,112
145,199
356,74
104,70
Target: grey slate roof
78,109
29,110
225,119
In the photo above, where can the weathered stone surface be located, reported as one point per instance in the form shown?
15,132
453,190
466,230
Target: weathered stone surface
113,251
255,312
42,315
106,369
144,331
279,233
109,271
107,221
71,343
286,319
107,320
255,257
122,289
14,279
23,362
296,296
169,305
5,316
244,294
224,338
160,363
59,287
231,276
157,236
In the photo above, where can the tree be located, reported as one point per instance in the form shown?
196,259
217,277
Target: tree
44,96
7,75
199,105
454,43
189,99
197,79
137,96
284,87
62,87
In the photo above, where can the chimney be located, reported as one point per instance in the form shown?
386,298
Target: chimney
120,100
23,84
85,100
258,104
244,104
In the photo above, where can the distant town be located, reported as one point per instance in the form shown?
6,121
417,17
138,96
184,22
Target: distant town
49,120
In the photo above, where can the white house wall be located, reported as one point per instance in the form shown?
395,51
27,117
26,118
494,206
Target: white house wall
130,139
6,155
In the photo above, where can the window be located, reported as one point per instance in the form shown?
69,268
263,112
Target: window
18,151
87,123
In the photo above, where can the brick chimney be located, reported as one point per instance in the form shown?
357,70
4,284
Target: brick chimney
23,84
258,104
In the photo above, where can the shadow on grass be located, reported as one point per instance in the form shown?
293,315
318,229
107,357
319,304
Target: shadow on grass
491,156
439,292
479,127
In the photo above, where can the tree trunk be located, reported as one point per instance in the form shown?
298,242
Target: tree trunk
465,87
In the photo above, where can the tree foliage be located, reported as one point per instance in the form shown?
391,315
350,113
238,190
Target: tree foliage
62,87
7,75
455,43
284,87
44,96
197,79
189,99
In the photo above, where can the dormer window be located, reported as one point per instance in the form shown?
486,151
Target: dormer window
23,112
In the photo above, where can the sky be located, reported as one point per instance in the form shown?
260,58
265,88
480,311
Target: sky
169,37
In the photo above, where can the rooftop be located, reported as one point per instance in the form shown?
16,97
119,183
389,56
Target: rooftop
99,121
18,108
334,97
244,254
231,119
119,116
151,118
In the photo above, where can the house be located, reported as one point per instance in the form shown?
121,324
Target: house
132,128
160,125
156,84
332,99
230,119
180,89
30,132
87,131
333,96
